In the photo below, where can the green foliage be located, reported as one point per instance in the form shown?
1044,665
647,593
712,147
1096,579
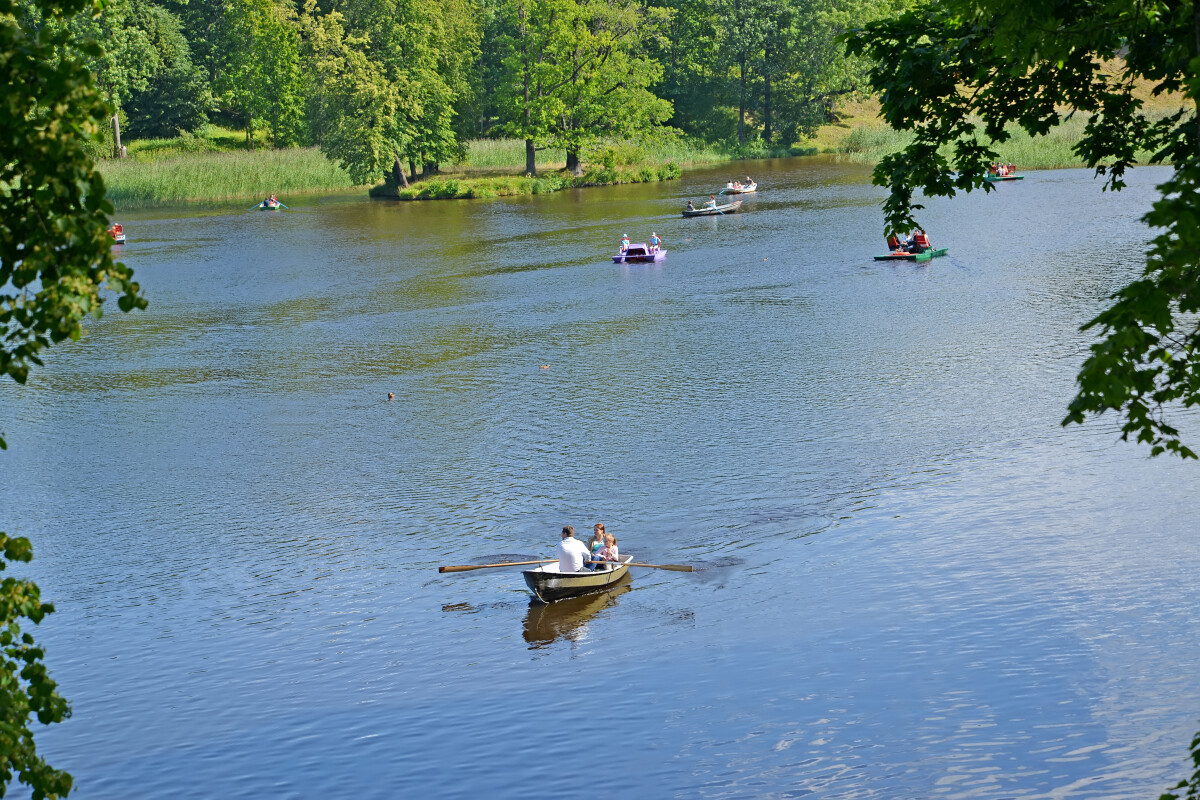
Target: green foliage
957,74
176,97
258,67
1192,786
54,260
26,688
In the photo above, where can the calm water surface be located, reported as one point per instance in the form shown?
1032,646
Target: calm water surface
912,582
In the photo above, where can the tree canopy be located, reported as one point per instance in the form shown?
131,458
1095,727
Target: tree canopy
958,74
55,267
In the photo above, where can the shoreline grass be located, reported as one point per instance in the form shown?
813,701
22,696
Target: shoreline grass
217,177
462,187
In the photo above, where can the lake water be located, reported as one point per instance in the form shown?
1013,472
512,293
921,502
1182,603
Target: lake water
912,582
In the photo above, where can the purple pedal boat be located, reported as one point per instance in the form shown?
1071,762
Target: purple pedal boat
639,253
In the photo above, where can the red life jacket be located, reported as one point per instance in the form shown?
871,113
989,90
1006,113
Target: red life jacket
893,242
921,241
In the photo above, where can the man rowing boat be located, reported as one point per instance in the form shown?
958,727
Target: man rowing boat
572,553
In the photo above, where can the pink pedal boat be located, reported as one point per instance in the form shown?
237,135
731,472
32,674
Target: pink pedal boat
639,253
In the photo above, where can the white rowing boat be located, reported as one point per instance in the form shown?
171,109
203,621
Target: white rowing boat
550,584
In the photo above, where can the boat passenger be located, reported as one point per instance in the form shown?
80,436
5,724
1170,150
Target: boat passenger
893,243
596,544
691,206
712,201
748,181
921,242
610,548
624,242
654,242
572,553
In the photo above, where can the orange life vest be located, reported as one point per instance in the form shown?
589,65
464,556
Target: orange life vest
921,241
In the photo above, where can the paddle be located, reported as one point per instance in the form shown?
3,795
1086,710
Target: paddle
676,567
466,567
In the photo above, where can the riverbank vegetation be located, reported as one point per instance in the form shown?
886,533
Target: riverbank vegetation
398,90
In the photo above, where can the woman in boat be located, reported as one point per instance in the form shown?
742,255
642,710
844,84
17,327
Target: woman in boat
596,544
712,201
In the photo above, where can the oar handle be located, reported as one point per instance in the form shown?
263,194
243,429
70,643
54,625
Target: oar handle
676,567
468,567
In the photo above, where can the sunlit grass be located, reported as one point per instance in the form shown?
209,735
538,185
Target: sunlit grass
870,143
219,177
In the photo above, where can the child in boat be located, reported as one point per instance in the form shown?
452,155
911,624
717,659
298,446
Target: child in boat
610,548
624,242
654,242
712,201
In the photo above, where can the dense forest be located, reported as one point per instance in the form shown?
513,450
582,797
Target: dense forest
386,87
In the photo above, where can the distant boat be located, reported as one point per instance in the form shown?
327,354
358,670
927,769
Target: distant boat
925,256
117,233
549,584
639,253
748,188
710,211
998,178
270,205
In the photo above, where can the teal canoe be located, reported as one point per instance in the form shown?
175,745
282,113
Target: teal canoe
928,254
998,178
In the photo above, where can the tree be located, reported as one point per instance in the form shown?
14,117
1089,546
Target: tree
176,97
939,68
608,92
55,260
258,68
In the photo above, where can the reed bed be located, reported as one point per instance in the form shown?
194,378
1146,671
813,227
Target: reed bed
220,177
1056,150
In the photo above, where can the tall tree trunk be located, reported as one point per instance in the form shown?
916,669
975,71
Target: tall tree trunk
250,132
398,173
530,159
573,165
429,168
742,104
767,107
116,120
412,169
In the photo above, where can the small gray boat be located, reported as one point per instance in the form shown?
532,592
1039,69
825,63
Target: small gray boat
710,211
549,584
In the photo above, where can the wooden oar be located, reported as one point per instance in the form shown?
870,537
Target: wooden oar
676,567
465,567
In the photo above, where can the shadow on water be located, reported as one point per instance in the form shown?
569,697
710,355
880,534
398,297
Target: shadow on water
546,623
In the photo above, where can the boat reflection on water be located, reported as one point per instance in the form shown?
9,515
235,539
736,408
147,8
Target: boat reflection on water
546,623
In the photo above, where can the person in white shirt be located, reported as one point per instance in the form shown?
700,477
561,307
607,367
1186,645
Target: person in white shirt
572,553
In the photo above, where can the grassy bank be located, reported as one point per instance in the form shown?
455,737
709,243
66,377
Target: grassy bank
451,187
214,177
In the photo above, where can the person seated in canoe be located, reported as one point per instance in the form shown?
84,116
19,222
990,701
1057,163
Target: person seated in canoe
624,243
894,243
654,242
691,206
920,242
712,201
572,553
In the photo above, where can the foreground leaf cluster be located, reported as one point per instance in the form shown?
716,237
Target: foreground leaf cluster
957,73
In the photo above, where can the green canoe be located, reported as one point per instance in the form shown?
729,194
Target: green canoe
928,254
